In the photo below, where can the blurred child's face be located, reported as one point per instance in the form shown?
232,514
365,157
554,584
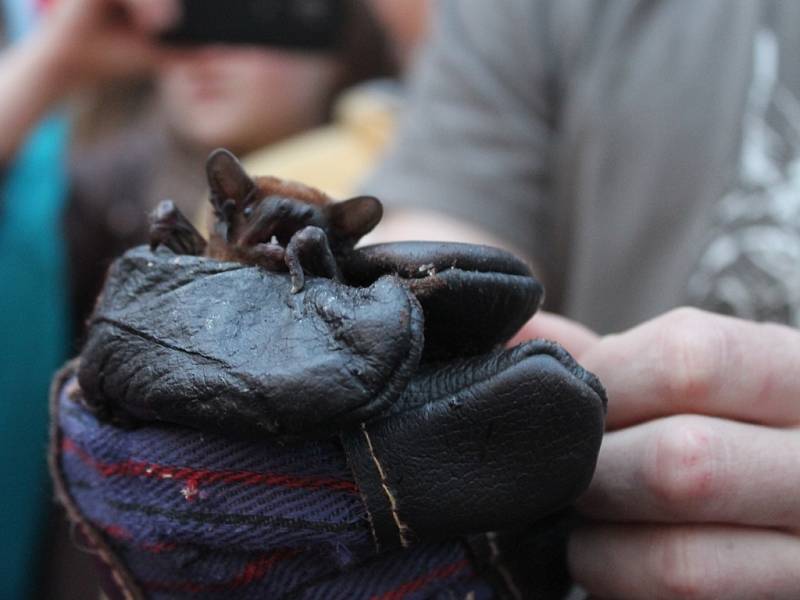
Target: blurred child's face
245,97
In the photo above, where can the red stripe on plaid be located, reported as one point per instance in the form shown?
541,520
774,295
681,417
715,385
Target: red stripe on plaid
196,477
417,584
252,572
120,533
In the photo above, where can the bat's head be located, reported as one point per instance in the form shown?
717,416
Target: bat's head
254,210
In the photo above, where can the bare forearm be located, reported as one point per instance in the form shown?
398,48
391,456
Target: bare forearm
32,84
417,224
80,42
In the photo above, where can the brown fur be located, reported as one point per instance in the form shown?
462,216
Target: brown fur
273,186
258,220
266,186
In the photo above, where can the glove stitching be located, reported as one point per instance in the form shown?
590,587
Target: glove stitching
495,559
402,528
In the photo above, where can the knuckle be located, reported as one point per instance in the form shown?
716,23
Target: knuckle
684,465
682,568
308,233
314,232
691,352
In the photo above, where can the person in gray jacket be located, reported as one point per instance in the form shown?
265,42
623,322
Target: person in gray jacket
643,156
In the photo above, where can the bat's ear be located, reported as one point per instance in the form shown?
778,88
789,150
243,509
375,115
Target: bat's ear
354,218
226,176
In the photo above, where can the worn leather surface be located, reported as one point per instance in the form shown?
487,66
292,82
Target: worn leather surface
526,563
227,348
474,297
480,444
447,433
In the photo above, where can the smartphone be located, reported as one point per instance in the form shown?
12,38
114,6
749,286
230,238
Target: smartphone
298,24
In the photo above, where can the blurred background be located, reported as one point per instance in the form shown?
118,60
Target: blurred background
108,107
642,155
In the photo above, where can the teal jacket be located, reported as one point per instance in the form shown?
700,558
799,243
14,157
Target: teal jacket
33,343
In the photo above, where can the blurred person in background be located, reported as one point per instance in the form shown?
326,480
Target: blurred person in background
73,198
642,155
80,42
243,98
335,158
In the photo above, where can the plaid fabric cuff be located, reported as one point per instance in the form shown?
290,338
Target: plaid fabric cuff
175,512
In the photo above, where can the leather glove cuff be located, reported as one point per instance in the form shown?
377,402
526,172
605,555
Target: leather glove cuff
500,442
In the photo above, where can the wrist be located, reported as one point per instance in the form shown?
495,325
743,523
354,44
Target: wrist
49,57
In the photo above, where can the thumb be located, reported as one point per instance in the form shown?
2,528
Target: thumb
573,336
153,16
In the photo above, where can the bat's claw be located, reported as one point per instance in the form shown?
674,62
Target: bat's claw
298,281
169,227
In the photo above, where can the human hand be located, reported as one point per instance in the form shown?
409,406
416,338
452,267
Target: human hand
91,40
80,42
697,484
573,336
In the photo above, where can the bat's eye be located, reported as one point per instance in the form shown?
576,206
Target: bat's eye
248,211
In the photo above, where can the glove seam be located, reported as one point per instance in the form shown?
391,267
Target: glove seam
496,560
402,528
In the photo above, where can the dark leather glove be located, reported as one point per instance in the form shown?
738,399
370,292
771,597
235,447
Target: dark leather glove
479,444
227,348
446,435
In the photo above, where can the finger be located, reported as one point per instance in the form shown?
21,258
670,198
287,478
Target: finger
656,561
121,54
697,469
152,16
573,336
689,361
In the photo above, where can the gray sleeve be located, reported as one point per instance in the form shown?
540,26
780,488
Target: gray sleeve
476,138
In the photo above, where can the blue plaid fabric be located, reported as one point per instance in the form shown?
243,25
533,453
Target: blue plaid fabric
190,514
